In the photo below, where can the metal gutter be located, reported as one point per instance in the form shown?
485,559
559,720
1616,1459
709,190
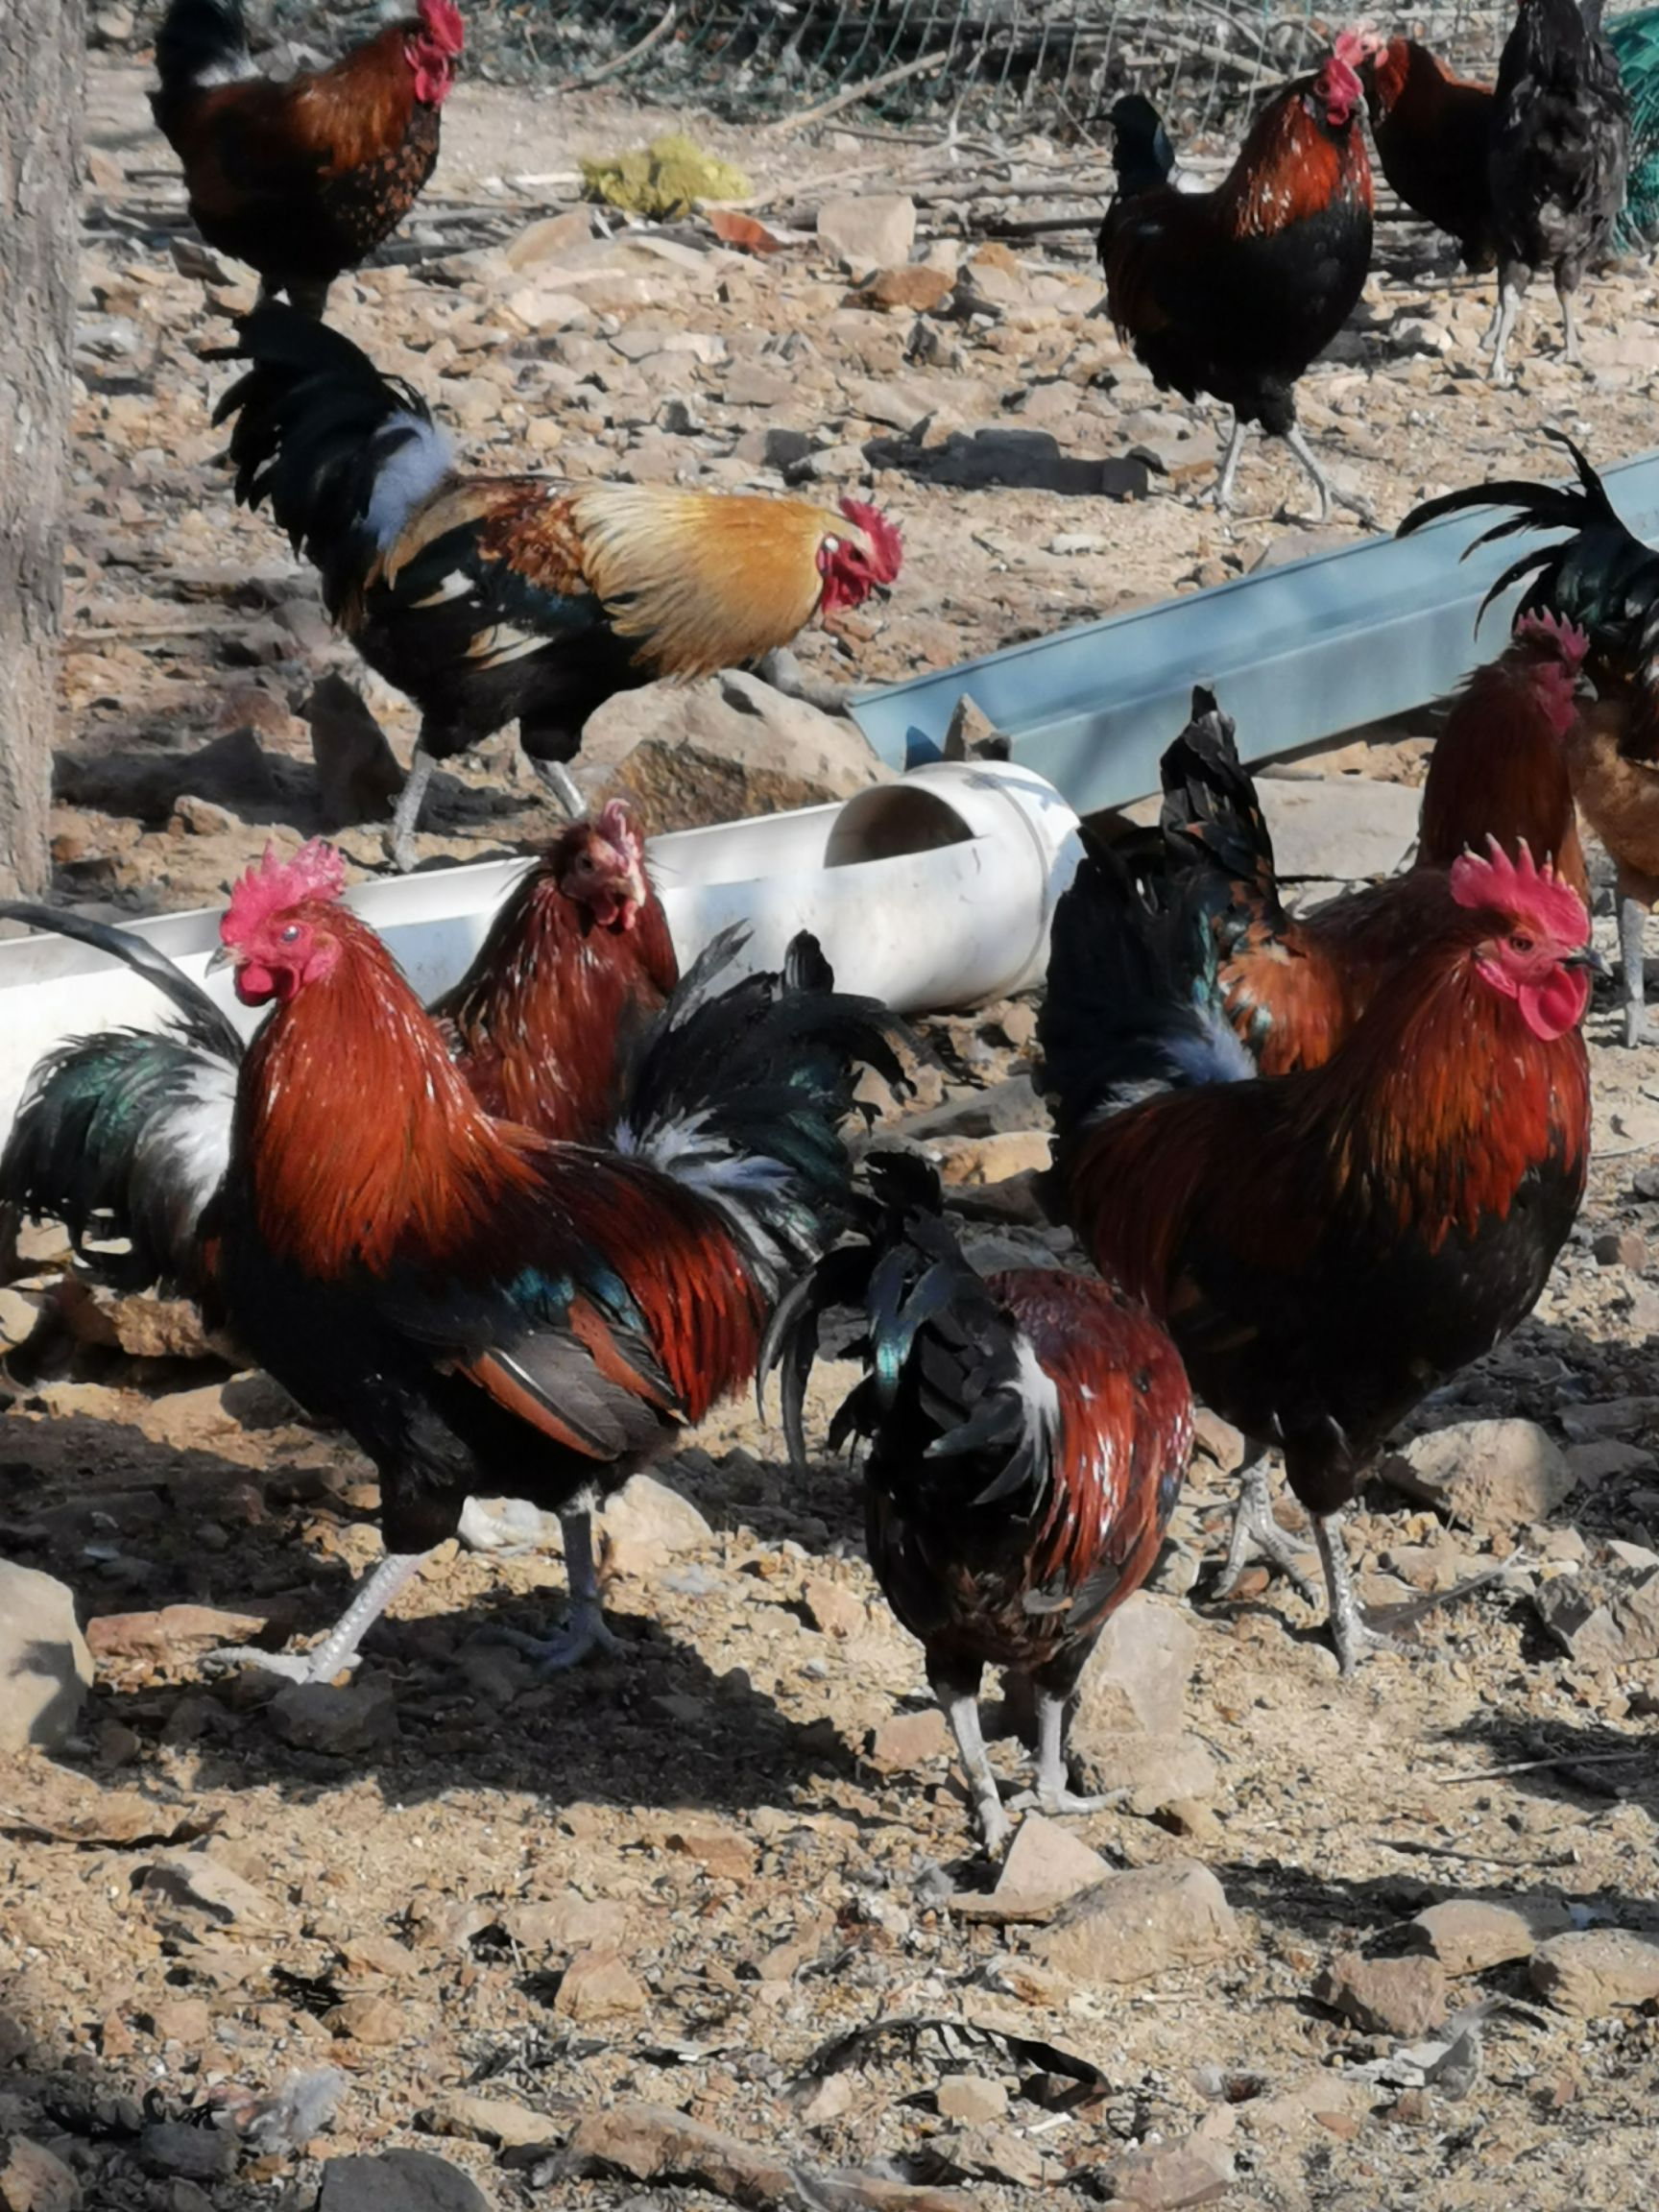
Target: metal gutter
1296,654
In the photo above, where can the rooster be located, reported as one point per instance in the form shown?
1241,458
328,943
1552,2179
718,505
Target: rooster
1606,581
302,180
488,599
1025,1439
125,1137
483,1311
1292,987
1326,1247
1431,131
1560,148
1235,292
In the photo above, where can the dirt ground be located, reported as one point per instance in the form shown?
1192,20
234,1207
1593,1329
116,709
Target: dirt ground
501,1907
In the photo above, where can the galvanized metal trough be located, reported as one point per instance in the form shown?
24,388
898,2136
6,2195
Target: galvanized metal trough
1297,654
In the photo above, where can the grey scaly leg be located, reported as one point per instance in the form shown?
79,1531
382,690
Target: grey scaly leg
564,786
1229,465
1257,1534
1508,306
1350,1631
400,844
961,1709
1296,439
585,1629
1053,1794
1632,979
338,1647
1569,324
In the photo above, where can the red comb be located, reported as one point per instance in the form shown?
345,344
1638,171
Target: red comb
886,547
615,825
315,872
442,19
1569,642
1521,888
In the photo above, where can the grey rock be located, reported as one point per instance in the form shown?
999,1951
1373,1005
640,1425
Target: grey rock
45,1668
1593,1970
1138,1676
1132,1927
1342,827
867,232
398,2181
1494,1476
1468,1934
1609,1614
173,2147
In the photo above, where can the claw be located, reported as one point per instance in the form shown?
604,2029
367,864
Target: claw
285,1665
586,1632
1056,1803
1257,1536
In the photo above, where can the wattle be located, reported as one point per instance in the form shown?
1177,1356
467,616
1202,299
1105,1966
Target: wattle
1552,1008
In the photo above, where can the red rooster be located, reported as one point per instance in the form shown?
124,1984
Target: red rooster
548,1022
123,1137
483,1311
1235,292
302,180
492,599
1026,1436
1433,132
1327,1247
1293,987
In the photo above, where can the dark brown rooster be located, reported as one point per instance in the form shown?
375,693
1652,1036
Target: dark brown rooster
1327,1247
1236,292
303,180
1026,1435
1432,132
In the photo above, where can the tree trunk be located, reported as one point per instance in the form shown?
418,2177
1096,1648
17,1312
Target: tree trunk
42,64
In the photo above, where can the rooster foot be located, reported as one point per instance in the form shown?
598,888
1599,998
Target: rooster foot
285,1665
1257,1536
1351,1632
585,1632
1057,1802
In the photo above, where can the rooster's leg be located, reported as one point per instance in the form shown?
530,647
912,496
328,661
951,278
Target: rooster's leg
586,1629
338,1647
1257,1535
1632,950
1053,1794
1350,1631
564,786
400,841
1508,306
1229,465
959,1700
1569,326
1329,494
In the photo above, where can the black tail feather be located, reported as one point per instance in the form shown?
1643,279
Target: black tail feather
197,35
204,1022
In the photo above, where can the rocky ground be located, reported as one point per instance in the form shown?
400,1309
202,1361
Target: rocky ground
703,1926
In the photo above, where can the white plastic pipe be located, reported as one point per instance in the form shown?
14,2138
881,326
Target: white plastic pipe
933,891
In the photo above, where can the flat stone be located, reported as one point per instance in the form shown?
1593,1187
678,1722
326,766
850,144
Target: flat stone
205,1885
906,1741
45,1668
1468,1934
495,2120
377,2022
1593,1970
1607,1616
1045,1864
566,1923
196,2153
1156,1770
33,2180
398,2181
914,287
1134,1926
833,1609
1386,1996
646,1512
1170,2175
1606,1457
869,230
972,2100
1138,1673
1344,827
168,1629
598,1986
318,1716
1494,1476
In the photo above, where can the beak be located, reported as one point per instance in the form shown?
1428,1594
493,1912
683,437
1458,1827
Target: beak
220,958
1588,957
1585,690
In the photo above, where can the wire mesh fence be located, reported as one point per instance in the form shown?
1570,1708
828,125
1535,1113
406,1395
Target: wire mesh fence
1052,64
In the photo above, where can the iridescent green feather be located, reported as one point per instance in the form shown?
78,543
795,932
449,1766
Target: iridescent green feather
1635,44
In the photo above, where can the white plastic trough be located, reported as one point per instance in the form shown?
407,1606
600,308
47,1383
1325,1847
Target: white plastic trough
933,891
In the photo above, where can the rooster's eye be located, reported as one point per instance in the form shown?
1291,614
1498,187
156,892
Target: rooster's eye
290,934
1520,944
